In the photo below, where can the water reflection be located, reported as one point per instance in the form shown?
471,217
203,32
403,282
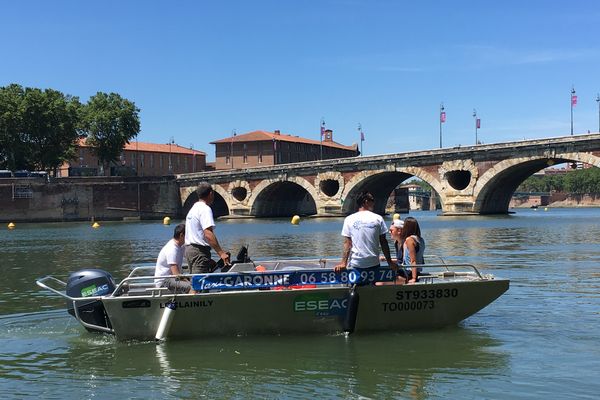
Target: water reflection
372,366
369,366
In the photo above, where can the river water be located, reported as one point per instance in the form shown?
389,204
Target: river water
540,339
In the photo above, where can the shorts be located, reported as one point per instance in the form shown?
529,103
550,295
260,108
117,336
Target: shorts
198,259
177,285
360,281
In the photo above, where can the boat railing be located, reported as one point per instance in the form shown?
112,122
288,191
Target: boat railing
145,284
141,280
42,283
448,271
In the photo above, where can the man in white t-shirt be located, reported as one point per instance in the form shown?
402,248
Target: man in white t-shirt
169,263
199,234
364,232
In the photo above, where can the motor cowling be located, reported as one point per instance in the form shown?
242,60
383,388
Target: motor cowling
90,283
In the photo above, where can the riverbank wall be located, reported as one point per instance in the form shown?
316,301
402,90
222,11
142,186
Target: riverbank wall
556,200
88,198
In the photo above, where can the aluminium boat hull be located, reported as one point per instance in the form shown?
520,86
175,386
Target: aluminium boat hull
320,310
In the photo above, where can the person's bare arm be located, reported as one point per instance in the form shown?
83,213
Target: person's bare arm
211,238
386,252
412,253
345,255
174,269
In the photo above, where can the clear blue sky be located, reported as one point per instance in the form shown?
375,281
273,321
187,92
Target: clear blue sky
200,69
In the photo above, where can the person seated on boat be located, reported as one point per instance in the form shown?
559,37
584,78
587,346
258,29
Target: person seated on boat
395,233
200,236
364,232
169,263
413,248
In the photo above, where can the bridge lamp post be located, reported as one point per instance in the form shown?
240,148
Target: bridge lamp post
476,125
442,120
361,137
573,103
598,101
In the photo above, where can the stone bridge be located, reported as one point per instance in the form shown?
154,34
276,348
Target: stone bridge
468,180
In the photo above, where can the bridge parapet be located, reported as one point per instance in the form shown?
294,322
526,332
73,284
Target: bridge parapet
468,180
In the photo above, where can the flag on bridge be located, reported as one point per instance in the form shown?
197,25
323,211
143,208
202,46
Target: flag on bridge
478,123
322,129
573,100
443,117
362,136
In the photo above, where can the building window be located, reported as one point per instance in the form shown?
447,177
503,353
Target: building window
227,159
185,163
245,154
160,161
151,160
132,161
142,160
260,147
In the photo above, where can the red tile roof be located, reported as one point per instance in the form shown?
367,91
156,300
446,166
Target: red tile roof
256,136
154,147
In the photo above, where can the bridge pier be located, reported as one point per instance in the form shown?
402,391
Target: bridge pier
330,211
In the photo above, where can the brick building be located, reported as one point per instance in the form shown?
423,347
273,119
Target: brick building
261,148
138,158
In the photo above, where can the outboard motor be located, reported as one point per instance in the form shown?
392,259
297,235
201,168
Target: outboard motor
242,257
90,283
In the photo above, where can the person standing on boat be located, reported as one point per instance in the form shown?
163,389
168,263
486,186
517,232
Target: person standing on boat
413,247
199,234
364,232
169,262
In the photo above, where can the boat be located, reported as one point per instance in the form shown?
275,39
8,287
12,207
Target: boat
275,298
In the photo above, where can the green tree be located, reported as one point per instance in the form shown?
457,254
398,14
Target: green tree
38,129
11,147
581,181
110,121
50,121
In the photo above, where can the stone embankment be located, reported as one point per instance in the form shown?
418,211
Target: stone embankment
557,200
88,198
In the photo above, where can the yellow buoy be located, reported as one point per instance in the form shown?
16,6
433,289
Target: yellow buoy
166,221
95,225
396,216
295,220
11,226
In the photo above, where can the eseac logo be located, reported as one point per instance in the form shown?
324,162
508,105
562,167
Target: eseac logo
94,290
321,304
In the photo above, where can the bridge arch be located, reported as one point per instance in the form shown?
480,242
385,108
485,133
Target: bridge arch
381,183
219,206
496,186
283,198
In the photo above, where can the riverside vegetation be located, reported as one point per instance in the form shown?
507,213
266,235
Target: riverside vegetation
40,129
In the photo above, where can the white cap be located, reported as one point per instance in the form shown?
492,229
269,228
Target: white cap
398,223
